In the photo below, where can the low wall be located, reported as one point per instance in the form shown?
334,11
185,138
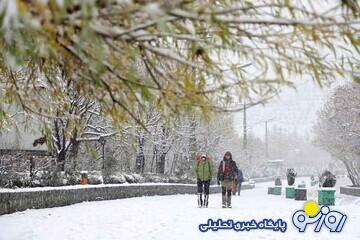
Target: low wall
272,178
22,199
264,179
348,190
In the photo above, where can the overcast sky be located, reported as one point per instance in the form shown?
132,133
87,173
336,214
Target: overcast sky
293,109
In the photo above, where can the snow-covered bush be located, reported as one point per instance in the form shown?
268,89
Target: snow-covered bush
327,179
95,177
73,178
138,178
187,179
164,178
291,174
153,178
111,179
40,179
50,178
173,179
18,180
129,178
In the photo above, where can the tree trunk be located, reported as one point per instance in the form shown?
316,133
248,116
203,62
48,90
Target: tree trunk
160,167
60,161
154,158
74,149
192,139
356,172
140,157
173,164
32,167
351,173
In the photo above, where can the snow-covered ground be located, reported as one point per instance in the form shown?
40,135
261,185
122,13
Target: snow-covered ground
172,217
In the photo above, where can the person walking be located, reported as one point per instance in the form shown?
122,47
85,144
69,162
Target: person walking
227,172
240,179
234,184
203,171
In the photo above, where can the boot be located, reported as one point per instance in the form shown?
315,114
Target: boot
224,201
200,200
206,200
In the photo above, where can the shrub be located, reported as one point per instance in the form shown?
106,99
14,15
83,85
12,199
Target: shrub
327,179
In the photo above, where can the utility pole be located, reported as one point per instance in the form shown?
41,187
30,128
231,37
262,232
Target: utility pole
245,130
246,154
267,138
266,141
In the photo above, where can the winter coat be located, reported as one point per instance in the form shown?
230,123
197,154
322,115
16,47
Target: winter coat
227,170
203,170
240,177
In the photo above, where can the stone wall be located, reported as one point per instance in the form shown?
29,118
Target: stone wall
19,200
348,190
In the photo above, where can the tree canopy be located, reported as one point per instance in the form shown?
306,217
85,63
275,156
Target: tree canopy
177,56
338,127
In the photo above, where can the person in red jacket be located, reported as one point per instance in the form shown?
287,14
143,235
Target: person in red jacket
227,173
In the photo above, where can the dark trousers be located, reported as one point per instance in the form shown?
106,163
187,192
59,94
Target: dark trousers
226,191
203,186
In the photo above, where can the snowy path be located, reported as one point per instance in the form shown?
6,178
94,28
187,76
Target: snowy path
171,217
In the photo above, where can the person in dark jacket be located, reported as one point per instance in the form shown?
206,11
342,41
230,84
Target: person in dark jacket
227,172
240,179
203,170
